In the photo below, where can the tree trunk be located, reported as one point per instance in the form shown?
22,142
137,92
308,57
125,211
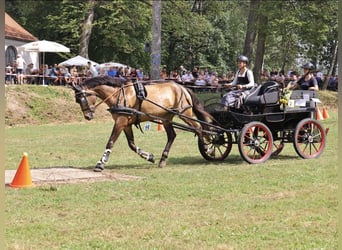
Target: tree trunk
87,29
332,66
260,51
156,40
251,28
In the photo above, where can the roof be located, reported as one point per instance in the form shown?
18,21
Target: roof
14,31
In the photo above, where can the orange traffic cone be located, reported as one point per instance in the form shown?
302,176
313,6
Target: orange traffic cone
160,126
22,177
325,113
318,114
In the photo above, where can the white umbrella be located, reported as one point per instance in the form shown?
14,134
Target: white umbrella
44,46
108,65
77,61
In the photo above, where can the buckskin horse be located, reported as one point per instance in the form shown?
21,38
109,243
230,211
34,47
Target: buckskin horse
132,103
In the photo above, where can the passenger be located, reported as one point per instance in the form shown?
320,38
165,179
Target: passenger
307,81
243,81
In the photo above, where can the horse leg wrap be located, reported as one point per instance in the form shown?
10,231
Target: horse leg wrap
105,156
147,156
104,159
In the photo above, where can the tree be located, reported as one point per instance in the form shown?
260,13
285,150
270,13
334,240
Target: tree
251,28
260,51
87,28
156,40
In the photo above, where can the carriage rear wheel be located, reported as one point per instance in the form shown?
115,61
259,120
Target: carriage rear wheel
216,147
309,139
255,142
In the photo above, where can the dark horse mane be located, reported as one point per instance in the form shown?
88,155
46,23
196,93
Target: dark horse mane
104,80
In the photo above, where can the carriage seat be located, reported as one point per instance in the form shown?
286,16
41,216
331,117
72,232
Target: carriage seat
265,94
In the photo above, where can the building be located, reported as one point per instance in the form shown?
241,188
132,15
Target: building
15,36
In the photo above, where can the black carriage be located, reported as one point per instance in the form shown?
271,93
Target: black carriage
263,125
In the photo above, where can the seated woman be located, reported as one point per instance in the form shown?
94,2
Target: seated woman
200,81
307,81
243,81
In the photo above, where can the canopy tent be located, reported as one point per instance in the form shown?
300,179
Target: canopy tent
78,61
44,46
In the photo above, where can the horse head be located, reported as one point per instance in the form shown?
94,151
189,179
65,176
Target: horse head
86,100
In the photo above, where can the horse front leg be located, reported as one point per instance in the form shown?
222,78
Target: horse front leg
130,140
171,135
112,139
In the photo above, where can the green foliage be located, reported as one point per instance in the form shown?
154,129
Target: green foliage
213,36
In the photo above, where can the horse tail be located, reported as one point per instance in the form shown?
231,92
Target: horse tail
199,110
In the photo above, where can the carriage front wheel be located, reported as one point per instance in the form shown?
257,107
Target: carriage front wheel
309,139
255,142
216,147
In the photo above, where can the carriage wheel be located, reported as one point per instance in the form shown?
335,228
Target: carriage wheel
216,147
278,145
255,142
309,139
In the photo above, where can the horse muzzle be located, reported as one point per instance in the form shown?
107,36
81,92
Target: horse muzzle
88,115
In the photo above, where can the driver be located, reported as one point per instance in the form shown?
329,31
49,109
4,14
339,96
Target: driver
243,82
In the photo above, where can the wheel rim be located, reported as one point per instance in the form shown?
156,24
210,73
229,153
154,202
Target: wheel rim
255,143
309,139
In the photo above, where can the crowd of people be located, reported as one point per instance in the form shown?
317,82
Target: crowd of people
55,74
289,78
20,73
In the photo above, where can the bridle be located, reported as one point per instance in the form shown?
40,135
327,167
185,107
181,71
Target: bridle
81,98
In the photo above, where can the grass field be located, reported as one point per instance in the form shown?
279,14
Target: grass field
285,203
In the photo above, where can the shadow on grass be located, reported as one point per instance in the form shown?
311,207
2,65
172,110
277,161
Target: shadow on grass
181,161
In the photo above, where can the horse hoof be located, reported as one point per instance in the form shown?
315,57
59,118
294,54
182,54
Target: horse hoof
99,167
151,158
96,169
162,164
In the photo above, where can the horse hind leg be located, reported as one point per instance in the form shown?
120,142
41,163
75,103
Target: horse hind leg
171,135
130,140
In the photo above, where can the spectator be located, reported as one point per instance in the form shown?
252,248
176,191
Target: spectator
188,78
54,74
163,74
265,76
333,83
273,74
214,80
20,62
133,74
91,70
29,71
182,70
200,81
195,72
112,72
319,78
140,74
280,78
9,72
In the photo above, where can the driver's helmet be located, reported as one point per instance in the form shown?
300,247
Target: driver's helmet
243,59
309,66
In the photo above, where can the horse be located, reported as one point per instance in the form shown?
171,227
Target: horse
132,103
